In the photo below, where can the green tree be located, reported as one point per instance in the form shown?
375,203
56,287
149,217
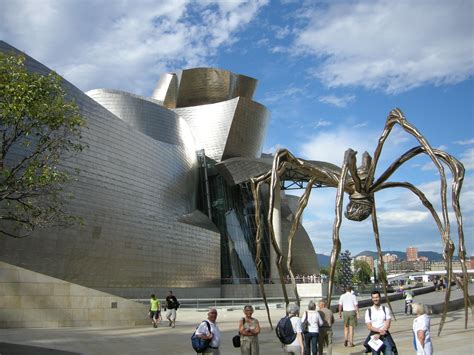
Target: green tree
362,272
39,128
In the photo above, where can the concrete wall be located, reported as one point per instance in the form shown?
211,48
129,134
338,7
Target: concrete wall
33,300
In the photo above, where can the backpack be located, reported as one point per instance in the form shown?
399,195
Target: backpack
199,345
284,331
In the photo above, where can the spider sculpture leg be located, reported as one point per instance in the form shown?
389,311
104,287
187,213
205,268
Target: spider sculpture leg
336,243
302,203
277,170
397,117
457,171
256,185
380,259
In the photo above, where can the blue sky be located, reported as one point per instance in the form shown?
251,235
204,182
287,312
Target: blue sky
329,72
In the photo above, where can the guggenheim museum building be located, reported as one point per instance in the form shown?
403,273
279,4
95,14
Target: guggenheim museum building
163,191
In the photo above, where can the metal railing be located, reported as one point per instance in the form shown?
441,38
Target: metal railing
205,303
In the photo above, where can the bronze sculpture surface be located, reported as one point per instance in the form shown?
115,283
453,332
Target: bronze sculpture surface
360,184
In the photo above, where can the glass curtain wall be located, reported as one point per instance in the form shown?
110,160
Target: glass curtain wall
232,211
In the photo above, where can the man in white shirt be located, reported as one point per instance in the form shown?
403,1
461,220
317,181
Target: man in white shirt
214,335
348,307
378,321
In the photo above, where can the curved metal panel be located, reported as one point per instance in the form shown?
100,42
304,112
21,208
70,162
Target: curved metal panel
201,86
227,129
144,115
166,90
210,125
248,130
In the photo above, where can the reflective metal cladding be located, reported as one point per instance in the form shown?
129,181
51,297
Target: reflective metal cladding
155,216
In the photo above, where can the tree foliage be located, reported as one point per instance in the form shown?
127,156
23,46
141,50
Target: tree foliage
362,272
39,128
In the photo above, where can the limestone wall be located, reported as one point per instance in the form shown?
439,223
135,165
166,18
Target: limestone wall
29,299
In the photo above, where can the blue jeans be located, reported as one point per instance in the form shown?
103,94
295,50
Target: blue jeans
386,348
311,339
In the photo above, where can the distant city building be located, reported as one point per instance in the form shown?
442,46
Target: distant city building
368,259
423,258
389,258
471,262
412,254
441,265
395,267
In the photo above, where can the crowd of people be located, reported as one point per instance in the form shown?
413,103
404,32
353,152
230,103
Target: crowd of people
309,331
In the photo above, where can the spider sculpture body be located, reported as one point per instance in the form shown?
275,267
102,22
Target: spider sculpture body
360,184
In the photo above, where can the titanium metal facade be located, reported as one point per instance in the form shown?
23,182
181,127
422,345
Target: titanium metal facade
142,194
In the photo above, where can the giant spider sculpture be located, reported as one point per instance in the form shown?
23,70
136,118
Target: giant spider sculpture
359,184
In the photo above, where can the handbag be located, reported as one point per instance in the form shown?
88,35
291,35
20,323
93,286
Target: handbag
236,341
236,338
305,324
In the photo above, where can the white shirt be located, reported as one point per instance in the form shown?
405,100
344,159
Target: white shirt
204,330
423,323
348,302
314,321
378,317
296,323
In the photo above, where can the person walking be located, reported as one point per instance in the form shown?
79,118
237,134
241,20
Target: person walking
214,335
249,328
313,320
408,294
348,307
325,331
172,306
378,320
421,330
155,311
297,346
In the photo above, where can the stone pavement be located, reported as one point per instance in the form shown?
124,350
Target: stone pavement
168,341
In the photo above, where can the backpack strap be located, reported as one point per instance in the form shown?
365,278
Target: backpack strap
384,312
208,325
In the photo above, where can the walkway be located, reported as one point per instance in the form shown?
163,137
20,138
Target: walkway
167,341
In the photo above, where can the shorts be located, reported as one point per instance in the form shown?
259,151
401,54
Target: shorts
155,314
171,314
349,318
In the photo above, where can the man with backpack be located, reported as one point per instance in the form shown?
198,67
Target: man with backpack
289,331
378,322
208,330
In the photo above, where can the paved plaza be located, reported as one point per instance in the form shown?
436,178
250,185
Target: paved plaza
168,341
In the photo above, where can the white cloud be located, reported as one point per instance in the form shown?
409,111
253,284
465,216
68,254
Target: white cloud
398,219
467,158
284,95
465,142
330,145
322,123
390,45
338,101
122,44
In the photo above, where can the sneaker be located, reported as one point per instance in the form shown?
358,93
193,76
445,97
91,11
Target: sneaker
155,325
345,342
